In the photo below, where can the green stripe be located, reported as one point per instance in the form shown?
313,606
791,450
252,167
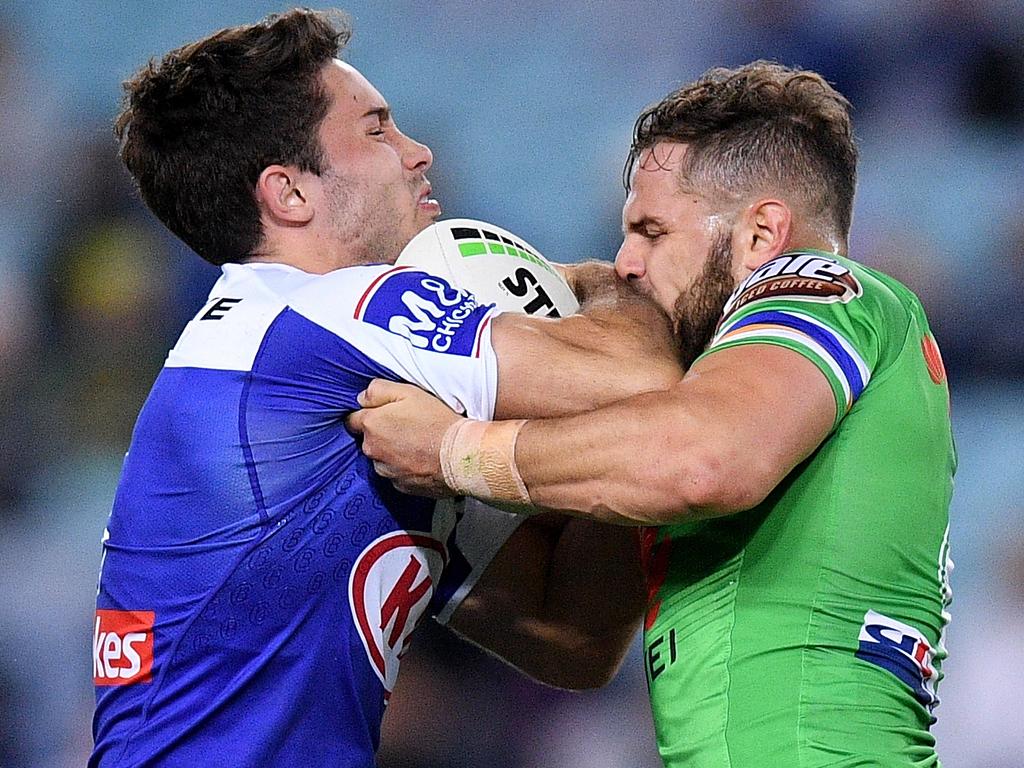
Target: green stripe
478,247
472,249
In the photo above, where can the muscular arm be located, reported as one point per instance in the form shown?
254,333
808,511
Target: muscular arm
716,443
620,344
561,601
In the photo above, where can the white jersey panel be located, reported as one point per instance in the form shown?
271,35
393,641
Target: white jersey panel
416,325
428,333
227,332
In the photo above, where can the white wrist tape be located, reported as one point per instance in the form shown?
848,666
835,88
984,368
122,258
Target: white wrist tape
478,458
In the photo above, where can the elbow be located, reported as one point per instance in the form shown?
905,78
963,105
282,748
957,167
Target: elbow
590,681
710,485
661,375
579,658
587,668
601,663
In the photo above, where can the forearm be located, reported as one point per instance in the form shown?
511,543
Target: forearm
715,444
619,345
561,603
642,462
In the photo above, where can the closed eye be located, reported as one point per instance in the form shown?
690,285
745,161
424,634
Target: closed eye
382,117
648,227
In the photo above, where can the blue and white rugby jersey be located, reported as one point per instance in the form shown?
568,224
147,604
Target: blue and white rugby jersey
260,583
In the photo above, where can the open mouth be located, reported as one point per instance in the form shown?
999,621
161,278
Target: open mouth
428,203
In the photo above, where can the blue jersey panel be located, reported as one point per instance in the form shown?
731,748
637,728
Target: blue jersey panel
251,528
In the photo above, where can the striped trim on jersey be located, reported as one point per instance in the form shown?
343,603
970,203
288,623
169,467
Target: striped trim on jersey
839,360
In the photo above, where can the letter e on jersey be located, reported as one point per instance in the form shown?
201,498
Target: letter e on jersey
390,587
122,647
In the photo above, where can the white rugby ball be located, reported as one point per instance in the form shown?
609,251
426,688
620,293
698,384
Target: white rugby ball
493,264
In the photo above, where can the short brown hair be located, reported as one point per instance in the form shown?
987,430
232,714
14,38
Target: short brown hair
198,128
761,127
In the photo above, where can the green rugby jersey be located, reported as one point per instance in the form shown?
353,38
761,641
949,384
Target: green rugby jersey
808,631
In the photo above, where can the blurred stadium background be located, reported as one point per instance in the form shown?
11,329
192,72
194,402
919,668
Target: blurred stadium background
528,108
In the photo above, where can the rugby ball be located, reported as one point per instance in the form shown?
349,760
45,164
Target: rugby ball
494,265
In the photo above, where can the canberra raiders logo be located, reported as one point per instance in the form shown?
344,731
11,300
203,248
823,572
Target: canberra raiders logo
800,276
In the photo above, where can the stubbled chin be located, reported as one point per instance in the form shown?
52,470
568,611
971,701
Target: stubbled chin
431,209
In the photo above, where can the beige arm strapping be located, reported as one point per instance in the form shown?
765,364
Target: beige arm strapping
478,458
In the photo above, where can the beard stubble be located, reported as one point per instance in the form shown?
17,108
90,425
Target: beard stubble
697,311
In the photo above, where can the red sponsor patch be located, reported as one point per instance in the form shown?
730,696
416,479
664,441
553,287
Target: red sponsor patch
933,359
391,584
122,647
654,560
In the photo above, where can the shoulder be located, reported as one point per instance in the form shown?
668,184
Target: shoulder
424,309
229,328
848,319
822,285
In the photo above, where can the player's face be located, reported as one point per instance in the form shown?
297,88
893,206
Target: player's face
376,195
676,248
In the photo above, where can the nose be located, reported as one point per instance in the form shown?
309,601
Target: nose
629,264
417,157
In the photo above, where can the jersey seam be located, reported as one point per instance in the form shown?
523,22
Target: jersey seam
261,509
728,666
812,616
243,424
382,336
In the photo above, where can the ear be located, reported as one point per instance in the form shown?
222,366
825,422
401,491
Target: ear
283,192
763,232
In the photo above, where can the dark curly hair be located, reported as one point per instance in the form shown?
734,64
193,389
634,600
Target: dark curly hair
198,128
760,128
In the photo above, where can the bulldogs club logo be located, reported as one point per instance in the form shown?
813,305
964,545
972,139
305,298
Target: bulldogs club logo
391,584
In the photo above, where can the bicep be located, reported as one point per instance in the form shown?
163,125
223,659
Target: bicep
549,368
765,408
716,443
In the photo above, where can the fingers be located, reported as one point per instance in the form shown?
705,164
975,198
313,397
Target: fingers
355,422
408,485
377,393
381,392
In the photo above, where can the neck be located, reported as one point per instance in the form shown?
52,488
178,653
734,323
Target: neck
806,238
308,254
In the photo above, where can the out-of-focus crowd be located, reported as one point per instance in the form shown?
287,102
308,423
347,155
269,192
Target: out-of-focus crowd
528,108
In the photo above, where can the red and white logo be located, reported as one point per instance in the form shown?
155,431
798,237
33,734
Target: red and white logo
389,589
122,647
